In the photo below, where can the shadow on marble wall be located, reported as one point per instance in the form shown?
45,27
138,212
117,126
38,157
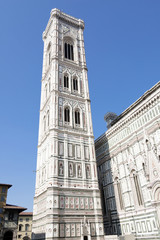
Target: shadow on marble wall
107,191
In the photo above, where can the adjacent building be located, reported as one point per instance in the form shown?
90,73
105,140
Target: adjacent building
24,226
67,202
8,215
128,160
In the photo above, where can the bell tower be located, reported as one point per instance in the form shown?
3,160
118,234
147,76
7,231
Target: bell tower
67,202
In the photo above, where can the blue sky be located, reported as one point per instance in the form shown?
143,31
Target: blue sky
122,41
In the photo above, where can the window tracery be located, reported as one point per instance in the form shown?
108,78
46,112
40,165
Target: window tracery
67,115
77,117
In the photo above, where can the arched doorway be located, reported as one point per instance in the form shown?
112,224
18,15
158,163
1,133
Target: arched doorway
85,238
26,238
8,235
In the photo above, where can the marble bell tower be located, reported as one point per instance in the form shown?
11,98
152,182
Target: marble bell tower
67,202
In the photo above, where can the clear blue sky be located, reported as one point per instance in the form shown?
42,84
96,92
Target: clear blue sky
122,41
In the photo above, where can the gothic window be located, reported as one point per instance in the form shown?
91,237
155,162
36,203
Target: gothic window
137,188
49,53
77,117
120,195
67,115
68,48
66,82
75,84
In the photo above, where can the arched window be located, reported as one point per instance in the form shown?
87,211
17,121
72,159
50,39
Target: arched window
120,195
137,188
75,84
68,51
66,82
26,227
49,53
20,227
67,115
77,117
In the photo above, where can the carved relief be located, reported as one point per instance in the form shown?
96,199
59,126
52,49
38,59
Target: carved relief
61,168
88,171
79,170
70,169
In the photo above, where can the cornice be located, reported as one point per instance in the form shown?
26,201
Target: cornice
132,113
67,18
137,102
56,13
72,64
75,132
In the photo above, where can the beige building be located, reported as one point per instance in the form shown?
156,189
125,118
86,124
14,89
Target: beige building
8,215
24,226
128,159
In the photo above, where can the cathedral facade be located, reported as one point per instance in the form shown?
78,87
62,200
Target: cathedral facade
67,202
128,160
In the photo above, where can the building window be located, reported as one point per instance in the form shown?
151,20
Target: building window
68,48
77,117
66,82
21,219
120,195
2,198
27,227
75,84
27,219
11,216
49,53
67,115
19,236
20,227
3,189
138,191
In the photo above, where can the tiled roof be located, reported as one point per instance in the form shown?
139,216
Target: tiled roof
9,206
26,214
7,185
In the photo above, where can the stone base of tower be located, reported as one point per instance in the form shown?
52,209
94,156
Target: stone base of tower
67,214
